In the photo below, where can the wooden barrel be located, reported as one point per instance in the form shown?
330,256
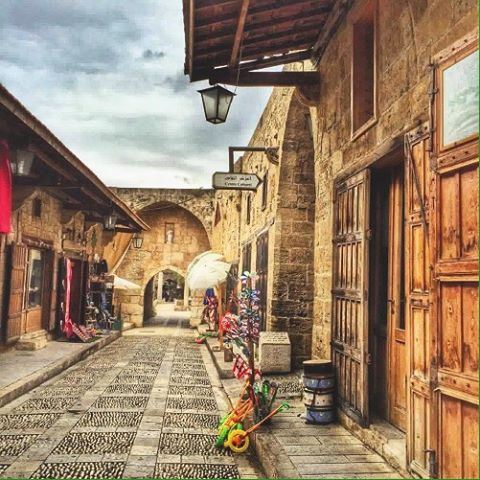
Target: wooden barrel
318,392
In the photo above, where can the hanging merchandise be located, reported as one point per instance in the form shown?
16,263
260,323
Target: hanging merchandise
67,322
5,188
257,397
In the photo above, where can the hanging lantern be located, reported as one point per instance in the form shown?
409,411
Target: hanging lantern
110,221
216,103
137,241
21,162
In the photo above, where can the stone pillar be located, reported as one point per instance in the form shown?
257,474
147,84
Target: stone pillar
196,308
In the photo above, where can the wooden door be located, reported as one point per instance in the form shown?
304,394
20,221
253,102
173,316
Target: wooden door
35,291
417,305
455,265
18,267
49,306
397,354
350,294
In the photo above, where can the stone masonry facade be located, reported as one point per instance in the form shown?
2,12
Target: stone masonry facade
188,213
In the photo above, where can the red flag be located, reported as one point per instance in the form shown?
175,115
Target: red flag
5,189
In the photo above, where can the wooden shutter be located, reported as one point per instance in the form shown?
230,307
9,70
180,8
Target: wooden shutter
417,292
262,272
50,291
350,294
18,263
455,310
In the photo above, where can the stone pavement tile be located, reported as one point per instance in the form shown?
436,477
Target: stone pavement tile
90,457
142,441
161,458
148,434
193,459
61,458
219,460
136,471
359,468
142,460
115,457
143,450
339,440
318,459
20,469
326,449
293,440
370,457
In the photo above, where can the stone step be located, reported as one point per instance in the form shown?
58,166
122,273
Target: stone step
32,341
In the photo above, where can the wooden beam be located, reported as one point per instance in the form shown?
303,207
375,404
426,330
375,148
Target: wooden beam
191,33
206,73
239,34
265,79
251,28
336,16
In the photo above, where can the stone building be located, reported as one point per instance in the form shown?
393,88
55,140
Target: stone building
180,222
392,95
275,224
56,214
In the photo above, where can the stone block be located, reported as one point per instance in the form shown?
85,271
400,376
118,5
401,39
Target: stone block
275,351
32,341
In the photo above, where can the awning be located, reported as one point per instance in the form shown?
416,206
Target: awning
58,170
120,283
222,36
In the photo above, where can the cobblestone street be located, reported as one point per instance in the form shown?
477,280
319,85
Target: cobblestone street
145,406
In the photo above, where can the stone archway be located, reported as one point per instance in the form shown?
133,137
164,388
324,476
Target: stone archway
175,238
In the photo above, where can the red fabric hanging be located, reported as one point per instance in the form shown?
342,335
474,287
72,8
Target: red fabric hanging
5,189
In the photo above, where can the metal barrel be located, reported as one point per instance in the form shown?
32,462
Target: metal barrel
319,391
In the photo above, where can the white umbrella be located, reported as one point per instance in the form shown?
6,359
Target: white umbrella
207,275
120,283
203,258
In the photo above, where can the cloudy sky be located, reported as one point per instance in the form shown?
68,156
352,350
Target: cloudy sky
106,76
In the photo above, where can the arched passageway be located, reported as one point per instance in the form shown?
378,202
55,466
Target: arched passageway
175,238
165,287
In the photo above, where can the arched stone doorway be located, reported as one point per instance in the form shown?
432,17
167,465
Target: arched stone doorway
175,238
165,287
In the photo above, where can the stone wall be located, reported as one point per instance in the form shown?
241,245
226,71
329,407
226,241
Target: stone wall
199,202
409,34
157,254
287,215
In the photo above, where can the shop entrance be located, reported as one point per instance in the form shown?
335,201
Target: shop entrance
388,370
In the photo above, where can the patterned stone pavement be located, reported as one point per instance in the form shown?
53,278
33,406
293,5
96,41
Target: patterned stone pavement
145,406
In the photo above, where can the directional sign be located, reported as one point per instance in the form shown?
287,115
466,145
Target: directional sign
235,181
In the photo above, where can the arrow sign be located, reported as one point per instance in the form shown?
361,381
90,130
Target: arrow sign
235,181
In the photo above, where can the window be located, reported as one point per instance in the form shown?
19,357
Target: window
265,191
247,258
37,208
363,68
169,232
262,273
248,208
35,278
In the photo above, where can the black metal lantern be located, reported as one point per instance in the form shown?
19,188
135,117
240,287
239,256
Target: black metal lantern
137,241
216,103
110,221
21,162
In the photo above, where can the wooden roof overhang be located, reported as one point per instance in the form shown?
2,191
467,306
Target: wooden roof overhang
227,41
59,170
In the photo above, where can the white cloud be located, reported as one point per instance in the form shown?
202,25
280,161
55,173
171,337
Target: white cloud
81,67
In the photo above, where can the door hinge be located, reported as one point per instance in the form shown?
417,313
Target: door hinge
368,358
432,462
